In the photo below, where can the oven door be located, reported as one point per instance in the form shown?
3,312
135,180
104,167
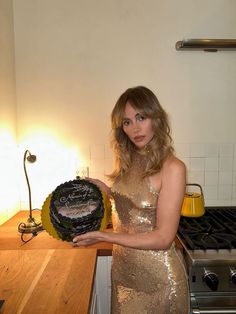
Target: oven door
213,304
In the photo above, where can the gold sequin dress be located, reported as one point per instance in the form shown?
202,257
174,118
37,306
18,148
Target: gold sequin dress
143,281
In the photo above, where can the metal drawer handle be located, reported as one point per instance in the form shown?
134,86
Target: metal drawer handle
214,311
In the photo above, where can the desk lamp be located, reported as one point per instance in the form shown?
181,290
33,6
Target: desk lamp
31,225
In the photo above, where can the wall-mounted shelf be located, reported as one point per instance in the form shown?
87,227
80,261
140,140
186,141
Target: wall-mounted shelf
210,45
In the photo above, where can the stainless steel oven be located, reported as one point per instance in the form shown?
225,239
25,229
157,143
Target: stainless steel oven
209,248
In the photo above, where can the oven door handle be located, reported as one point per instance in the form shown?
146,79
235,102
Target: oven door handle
214,311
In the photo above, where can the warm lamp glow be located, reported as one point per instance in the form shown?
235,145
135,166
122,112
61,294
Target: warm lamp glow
57,163
7,137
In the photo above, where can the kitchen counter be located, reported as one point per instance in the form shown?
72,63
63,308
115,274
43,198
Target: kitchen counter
10,238
46,281
45,275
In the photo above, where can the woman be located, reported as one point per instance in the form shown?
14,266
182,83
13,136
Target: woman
148,274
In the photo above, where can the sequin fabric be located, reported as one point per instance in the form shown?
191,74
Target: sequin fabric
143,281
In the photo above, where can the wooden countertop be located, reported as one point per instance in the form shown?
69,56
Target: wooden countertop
46,281
10,238
45,275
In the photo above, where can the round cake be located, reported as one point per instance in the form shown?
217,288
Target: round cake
75,207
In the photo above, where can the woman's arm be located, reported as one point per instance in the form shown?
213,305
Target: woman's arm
168,213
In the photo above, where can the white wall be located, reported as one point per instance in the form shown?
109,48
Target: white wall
75,57
8,164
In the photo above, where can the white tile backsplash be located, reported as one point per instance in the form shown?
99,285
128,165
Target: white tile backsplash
234,163
182,149
196,177
226,164
212,165
211,150
234,149
224,192
234,177
197,150
211,178
84,153
222,202
210,192
225,177
108,152
108,166
197,164
234,192
97,165
226,150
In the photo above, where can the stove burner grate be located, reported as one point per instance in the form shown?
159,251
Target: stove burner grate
215,230
206,241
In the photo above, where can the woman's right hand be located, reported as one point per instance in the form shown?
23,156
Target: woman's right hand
101,185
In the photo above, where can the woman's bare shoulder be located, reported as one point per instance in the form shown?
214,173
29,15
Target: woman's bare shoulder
173,165
172,168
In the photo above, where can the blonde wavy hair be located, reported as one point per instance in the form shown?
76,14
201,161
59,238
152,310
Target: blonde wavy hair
158,149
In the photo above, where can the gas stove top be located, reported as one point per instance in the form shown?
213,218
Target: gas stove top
209,250
215,230
211,237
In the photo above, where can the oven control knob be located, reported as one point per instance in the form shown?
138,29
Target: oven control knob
211,280
233,276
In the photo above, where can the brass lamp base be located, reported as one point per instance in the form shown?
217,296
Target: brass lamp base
31,226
